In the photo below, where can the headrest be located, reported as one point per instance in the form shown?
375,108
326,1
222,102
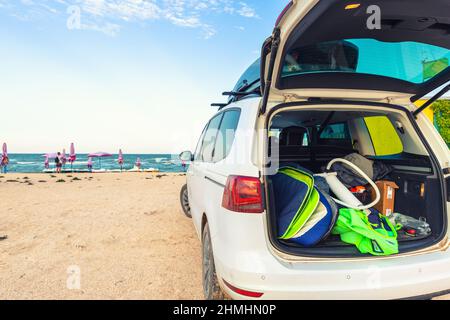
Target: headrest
293,136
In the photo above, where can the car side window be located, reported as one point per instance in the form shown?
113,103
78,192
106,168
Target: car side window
336,134
385,139
199,144
336,131
209,139
226,135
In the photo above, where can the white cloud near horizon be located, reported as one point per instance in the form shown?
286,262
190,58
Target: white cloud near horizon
108,16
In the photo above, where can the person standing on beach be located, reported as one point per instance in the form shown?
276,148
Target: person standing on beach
4,164
89,164
58,162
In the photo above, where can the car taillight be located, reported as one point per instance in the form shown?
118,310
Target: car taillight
285,10
243,194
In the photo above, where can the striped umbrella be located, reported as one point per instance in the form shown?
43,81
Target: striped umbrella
5,150
72,156
89,163
4,159
46,163
100,155
63,157
138,163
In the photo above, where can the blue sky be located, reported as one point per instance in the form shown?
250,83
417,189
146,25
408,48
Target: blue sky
131,74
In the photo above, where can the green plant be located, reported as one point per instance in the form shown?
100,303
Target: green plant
441,110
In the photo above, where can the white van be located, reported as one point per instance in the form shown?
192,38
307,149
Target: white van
334,74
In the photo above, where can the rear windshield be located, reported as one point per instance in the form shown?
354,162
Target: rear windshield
249,78
409,61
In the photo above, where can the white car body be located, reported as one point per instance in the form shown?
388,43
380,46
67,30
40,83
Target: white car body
243,253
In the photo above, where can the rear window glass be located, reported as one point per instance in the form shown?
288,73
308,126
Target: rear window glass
336,131
249,78
409,61
385,139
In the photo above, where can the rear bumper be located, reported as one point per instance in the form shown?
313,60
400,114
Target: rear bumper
419,277
243,259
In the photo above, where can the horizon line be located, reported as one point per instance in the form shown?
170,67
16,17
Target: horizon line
125,153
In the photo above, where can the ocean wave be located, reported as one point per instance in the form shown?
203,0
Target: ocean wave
78,163
29,163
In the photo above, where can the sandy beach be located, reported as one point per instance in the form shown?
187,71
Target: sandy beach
124,233
103,236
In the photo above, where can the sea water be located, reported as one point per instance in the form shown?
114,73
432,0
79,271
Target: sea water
34,163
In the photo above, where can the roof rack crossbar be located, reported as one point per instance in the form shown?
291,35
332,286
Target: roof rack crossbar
236,94
219,105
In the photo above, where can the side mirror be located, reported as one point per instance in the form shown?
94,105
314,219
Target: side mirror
186,156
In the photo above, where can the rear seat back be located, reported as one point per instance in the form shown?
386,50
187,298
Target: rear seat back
292,149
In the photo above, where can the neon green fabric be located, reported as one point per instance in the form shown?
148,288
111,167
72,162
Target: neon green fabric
355,228
308,206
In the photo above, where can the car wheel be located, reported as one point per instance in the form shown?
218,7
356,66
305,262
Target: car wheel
184,199
211,287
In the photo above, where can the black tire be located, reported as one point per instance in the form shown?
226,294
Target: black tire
184,200
211,287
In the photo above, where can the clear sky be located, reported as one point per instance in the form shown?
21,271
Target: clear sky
131,74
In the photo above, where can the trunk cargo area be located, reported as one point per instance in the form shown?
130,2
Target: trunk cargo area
310,139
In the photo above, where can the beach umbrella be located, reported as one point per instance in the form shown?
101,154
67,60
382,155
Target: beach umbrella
89,164
5,150
46,163
120,160
50,156
100,155
72,156
138,163
3,158
63,157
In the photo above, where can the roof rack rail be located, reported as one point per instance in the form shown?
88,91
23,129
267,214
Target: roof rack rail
236,94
